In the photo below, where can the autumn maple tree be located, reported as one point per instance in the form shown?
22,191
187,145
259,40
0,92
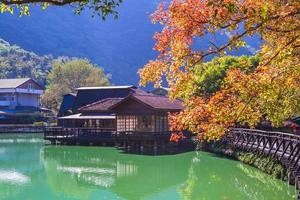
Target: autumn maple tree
270,92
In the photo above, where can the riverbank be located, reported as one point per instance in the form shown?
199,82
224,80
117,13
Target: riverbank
266,164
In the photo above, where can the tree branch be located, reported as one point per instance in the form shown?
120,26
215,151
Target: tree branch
53,2
277,53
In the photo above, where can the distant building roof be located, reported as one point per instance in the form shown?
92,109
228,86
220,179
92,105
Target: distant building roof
12,83
107,87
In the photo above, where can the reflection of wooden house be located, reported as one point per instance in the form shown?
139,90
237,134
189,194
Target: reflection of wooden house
128,177
139,119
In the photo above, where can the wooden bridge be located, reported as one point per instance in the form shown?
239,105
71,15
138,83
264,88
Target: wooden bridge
284,147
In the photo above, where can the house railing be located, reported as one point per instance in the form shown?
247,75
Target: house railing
66,132
72,132
21,128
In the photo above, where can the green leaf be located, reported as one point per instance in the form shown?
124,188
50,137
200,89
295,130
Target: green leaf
44,6
264,10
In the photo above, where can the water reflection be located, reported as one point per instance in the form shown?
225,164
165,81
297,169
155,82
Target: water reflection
129,176
13,177
19,164
184,176
218,178
2,150
31,170
21,139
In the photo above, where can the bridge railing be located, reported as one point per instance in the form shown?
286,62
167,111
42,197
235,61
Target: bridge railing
270,134
284,146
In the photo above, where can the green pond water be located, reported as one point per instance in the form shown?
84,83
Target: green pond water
31,170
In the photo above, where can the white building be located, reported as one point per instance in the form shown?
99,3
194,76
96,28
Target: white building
23,92
19,96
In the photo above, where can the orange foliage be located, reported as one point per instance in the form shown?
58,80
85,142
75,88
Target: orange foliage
271,91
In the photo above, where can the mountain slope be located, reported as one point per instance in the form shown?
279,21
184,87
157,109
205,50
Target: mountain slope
16,62
120,46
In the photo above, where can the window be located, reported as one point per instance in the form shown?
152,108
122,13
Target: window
126,123
145,123
162,123
142,123
121,123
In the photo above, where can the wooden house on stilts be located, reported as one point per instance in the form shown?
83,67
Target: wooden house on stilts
136,120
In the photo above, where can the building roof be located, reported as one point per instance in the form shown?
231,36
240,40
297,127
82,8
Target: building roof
66,104
89,95
102,105
154,101
80,116
12,83
160,102
107,87
71,94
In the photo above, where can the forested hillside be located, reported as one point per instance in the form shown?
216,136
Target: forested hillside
16,62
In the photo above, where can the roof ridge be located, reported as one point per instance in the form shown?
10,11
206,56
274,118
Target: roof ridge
107,87
151,95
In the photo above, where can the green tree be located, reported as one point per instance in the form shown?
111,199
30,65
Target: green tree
16,62
210,76
101,8
66,76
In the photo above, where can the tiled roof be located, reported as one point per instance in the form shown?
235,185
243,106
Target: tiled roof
160,102
12,83
102,105
89,95
154,101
